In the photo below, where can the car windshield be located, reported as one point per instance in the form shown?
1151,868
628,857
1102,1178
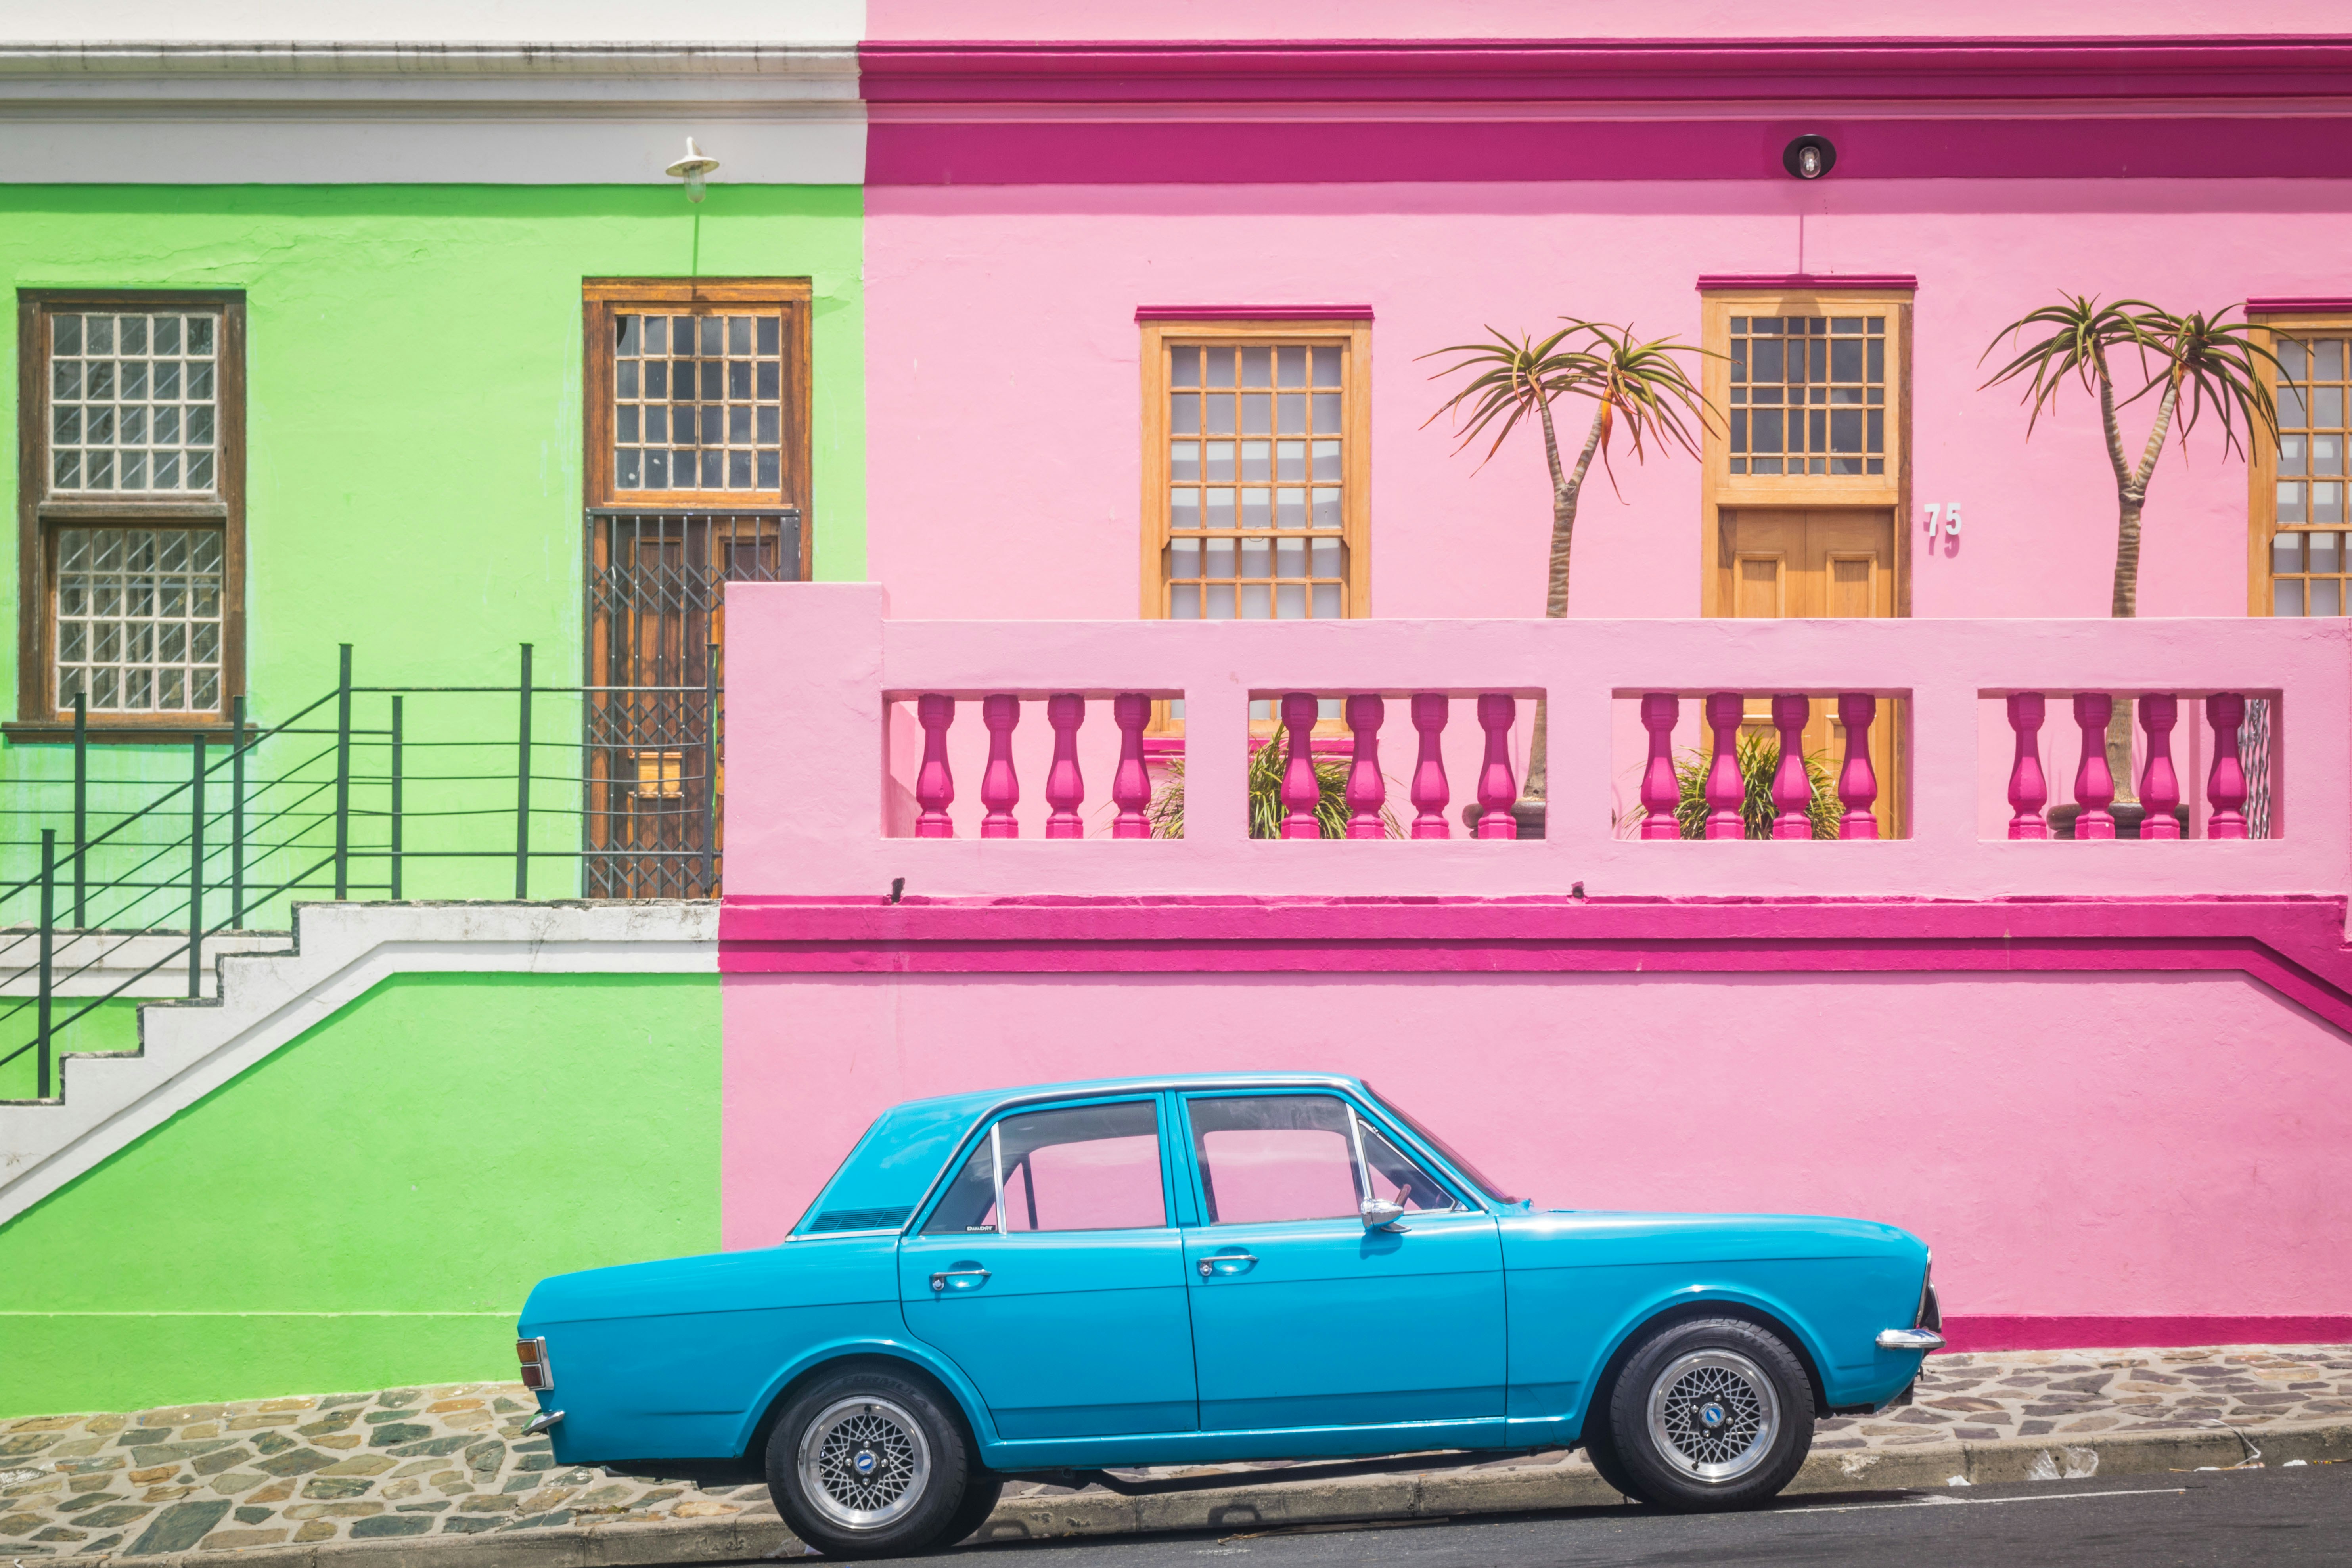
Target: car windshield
1453,1156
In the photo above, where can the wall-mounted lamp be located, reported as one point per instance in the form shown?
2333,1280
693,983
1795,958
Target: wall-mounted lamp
695,168
1809,157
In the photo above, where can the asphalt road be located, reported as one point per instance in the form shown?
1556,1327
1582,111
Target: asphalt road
2302,1515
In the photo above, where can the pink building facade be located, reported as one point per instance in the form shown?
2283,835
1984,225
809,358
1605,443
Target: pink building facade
2110,1082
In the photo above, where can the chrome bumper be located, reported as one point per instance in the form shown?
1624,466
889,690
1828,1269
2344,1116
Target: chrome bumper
546,1418
1910,1339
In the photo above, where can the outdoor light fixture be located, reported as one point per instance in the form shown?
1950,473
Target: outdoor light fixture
1806,158
698,166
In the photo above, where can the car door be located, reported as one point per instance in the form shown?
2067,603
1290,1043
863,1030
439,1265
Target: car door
1050,1271
1303,1317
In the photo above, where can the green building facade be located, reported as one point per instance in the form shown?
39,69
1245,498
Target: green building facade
407,236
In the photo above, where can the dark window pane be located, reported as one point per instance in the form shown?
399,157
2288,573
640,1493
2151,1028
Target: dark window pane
1877,438
738,334
1877,360
1845,430
713,465
1845,324
625,468
768,475
656,334
714,375
1766,429
1738,431
1766,359
769,330
767,380
658,378
714,424
738,378
658,423
1845,359
712,326
738,426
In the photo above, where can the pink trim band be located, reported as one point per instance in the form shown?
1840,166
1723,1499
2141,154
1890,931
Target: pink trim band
1054,147
2267,306
2262,69
1966,1334
1254,312
2295,946
1712,282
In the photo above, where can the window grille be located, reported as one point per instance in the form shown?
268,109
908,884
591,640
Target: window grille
656,762
2308,554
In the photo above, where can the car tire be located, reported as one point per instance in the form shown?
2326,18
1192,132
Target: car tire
980,1498
1600,1448
1710,1415
870,1462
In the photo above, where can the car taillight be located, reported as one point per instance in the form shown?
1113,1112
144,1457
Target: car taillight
1931,1311
536,1375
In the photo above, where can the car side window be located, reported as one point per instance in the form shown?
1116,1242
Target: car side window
1276,1158
1081,1167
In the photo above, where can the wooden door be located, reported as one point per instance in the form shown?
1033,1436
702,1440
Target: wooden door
1786,562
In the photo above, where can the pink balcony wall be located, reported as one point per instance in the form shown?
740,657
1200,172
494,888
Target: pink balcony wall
2109,1082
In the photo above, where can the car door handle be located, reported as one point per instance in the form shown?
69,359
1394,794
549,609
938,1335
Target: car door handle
1227,1263
971,1279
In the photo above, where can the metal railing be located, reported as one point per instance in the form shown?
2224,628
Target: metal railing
110,884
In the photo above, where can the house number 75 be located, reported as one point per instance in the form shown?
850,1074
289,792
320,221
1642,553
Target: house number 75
1951,517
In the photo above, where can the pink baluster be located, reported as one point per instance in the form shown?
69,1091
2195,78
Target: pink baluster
1662,792
2095,786
2225,790
1792,787
1065,786
1726,789
2028,790
1367,791
1498,789
999,786
1857,781
1300,788
2159,786
1430,791
934,783
1130,786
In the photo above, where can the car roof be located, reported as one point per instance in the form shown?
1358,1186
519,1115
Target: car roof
892,1167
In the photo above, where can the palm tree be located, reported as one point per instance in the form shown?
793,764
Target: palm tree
1640,386
2190,361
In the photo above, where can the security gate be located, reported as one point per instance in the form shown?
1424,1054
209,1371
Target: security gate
655,762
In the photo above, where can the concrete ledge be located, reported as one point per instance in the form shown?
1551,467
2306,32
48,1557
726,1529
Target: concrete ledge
1517,1488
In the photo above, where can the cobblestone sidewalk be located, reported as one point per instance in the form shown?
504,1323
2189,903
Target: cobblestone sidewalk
451,1460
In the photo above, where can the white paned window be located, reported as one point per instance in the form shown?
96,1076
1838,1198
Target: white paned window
134,402
138,619
1256,482
2308,569
698,401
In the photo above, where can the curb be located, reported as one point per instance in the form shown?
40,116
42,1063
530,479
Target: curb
1440,1494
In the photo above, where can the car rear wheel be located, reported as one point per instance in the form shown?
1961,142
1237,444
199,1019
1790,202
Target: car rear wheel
869,1463
1710,1415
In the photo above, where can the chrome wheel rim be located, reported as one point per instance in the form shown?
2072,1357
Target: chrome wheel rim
863,1464
1713,1416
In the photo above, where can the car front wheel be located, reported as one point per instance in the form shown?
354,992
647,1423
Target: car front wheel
869,1463
1710,1415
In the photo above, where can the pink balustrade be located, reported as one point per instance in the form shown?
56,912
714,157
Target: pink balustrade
1420,723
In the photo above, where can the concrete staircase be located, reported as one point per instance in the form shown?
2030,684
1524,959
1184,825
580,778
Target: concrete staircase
263,1000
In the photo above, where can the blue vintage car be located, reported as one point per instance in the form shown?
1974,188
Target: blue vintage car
1177,1271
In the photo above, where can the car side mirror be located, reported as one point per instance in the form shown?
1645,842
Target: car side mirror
1379,1213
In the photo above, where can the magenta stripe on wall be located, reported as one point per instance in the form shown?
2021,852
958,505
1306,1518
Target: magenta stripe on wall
2021,1333
1198,151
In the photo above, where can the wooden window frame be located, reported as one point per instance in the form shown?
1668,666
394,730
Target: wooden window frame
1723,490
1354,337
2261,464
40,517
603,297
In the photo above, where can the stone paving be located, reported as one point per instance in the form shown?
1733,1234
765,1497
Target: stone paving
452,1459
